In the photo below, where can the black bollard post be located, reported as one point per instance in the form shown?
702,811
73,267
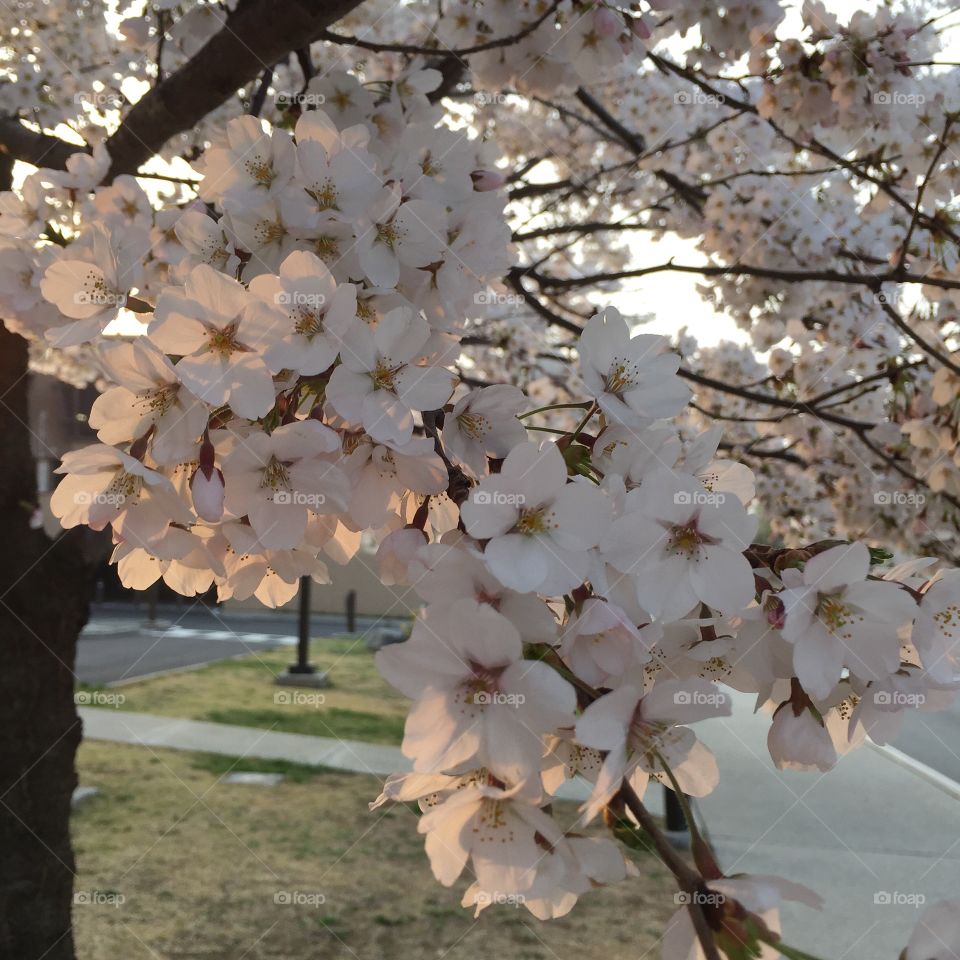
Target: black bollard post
675,821
303,631
351,611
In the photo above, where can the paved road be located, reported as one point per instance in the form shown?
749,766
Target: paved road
118,645
934,739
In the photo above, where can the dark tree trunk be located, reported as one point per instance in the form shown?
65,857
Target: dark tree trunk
44,588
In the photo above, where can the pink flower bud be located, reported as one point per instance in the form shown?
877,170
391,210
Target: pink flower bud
800,742
395,554
484,180
641,28
206,488
606,23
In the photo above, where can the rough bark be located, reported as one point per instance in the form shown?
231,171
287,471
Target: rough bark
258,34
44,586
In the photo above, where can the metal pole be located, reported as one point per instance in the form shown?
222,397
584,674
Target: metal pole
351,611
303,635
152,592
673,812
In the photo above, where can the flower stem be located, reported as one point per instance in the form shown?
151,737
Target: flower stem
583,405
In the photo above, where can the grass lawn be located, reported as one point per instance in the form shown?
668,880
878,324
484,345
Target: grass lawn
359,705
173,864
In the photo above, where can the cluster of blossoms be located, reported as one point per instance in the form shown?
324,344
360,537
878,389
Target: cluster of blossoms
834,196
599,594
852,77
268,413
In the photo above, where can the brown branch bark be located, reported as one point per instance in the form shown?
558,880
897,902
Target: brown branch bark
19,142
258,34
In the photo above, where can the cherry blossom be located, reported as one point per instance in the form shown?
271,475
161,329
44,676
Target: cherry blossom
633,378
539,527
478,701
210,325
837,618
379,384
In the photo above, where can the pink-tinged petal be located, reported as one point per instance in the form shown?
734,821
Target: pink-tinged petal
448,828
491,509
73,285
609,781
379,263
347,390
543,691
538,470
424,388
176,328
583,515
482,635
603,725
505,857
698,774
519,562
685,701
722,579
278,527
222,296
680,938
511,749
848,563
386,418
438,735
818,660
251,387
664,588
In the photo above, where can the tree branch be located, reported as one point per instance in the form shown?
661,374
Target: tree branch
256,35
40,149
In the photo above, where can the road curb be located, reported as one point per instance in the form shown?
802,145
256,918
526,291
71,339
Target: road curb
919,769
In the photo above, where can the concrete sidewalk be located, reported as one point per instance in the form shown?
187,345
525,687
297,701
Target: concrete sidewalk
353,756
874,838
878,840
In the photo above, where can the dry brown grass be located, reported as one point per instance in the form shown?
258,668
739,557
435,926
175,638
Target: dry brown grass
199,863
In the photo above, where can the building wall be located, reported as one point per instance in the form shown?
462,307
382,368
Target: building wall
373,598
